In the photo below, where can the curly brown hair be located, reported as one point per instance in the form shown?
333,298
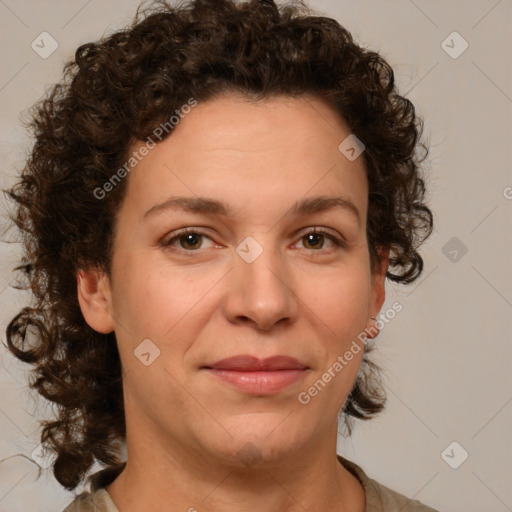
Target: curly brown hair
113,94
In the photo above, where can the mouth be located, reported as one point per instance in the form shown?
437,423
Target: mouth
258,376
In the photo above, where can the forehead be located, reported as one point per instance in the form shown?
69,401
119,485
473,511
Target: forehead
235,148
236,118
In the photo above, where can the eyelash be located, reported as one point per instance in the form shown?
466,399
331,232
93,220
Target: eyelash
338,242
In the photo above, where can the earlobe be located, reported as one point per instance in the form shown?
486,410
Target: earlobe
94,297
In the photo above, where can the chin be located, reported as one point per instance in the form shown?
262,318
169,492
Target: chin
257,440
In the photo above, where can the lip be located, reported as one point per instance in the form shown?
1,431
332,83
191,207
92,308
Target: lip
258,376
246,363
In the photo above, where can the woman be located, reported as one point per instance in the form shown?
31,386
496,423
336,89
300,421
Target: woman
214,200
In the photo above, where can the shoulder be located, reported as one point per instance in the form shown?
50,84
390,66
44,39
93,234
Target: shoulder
383,498
97,501
380,498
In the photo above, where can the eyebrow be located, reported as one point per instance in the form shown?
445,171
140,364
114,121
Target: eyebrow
214,207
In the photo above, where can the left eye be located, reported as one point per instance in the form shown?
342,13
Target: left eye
316,239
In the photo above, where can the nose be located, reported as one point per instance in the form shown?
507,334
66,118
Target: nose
261,293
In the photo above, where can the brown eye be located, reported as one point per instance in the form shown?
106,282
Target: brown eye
313,240
190,241
187,240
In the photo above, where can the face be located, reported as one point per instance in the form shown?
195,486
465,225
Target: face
242,235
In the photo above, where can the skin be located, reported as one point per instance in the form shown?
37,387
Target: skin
309,299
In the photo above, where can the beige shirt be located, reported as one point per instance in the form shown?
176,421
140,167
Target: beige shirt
379,498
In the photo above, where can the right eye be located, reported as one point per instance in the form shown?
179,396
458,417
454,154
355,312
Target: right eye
190,240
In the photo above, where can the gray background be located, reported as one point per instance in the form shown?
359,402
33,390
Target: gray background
447,355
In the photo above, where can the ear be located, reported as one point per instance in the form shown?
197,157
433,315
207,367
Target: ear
94,297
378,293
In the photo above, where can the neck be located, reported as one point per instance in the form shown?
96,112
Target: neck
175,481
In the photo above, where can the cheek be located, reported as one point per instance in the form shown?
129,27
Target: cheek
340,300
154,298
